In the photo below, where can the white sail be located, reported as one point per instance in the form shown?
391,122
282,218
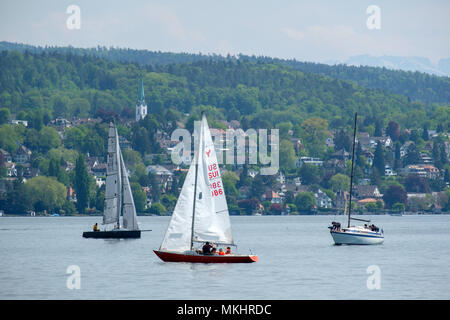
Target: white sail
178,234
113,179
128,209
211,219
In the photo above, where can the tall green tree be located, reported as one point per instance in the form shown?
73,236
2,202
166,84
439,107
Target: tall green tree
5,114
81,184
378,159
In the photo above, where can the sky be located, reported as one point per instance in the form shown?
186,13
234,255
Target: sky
319,31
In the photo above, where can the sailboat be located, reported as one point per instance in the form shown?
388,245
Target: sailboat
357,235
118,196
201,213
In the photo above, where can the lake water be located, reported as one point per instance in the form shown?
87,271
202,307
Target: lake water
297,260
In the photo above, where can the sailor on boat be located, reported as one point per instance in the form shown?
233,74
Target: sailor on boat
207,249
95,228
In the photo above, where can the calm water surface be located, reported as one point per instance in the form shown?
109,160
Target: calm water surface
297,261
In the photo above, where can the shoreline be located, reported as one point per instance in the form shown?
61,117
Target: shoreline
252,215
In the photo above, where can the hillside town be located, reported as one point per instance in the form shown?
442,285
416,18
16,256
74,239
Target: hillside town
395,170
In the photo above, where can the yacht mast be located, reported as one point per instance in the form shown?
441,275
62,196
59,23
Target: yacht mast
195,181
351,176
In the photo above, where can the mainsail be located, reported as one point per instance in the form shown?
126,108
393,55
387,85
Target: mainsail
113,199
118,195
128,208
211,219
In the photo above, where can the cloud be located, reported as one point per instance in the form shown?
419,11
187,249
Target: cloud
293,34
342,40
168,19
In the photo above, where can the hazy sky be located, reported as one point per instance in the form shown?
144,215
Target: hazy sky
323,31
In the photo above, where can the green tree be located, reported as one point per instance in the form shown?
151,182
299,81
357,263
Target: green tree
309,174
425,134
371,206
287,159
45,193
157,208
48,139
393,130
305,201
155,187
139,196
5,114
378,159
340,182
81,184
398,207
315,132
393,195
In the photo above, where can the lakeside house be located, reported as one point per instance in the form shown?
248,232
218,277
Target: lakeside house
323,200
366,191
22,155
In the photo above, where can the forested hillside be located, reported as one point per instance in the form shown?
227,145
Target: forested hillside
313,112
414,85
259,94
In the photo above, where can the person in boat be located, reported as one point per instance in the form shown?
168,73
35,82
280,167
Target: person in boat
214,251
228,250
336,226
207,248
221,252
95,228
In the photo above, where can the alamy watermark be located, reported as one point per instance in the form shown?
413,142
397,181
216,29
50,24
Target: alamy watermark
374,20
234,147
74,280
73,22
374,280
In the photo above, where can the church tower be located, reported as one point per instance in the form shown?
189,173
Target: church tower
141,106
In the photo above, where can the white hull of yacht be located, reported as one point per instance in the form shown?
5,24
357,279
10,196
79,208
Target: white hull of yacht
356,238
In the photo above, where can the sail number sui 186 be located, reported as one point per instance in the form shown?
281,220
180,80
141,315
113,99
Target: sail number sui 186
216,187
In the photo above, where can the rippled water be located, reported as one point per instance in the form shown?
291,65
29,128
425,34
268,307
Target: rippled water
297,261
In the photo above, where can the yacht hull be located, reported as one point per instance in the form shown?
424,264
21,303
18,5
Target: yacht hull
199,258
341,237
121,234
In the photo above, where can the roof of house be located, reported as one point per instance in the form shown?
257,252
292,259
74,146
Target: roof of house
367,200
159,170
23,150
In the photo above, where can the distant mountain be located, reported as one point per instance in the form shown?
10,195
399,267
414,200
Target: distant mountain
442,68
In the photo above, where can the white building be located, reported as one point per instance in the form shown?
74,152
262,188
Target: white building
308,160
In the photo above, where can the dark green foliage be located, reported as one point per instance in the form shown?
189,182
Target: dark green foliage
59,83
305,201
395,194
378,160
81,184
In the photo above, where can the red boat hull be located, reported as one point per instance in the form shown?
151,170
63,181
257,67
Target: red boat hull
198,258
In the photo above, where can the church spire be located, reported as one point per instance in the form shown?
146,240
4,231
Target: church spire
141,106
141,92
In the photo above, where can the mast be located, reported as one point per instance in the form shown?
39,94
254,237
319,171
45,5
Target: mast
195,181
351,176
119,178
